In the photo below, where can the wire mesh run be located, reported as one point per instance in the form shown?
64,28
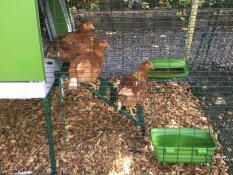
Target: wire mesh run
190,115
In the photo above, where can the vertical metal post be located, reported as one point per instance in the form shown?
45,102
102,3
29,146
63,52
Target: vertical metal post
103,86
47,110
62,96
191,27
113,94
141,121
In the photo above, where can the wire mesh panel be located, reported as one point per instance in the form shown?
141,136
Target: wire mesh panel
109,117
136,32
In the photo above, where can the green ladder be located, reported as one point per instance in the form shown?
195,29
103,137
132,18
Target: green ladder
101,94
104,86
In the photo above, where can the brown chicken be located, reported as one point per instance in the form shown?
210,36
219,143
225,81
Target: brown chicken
80,41
88,66
73,43
133,87
98,56
65,55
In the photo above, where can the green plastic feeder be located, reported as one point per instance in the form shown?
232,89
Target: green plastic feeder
182,145
168,68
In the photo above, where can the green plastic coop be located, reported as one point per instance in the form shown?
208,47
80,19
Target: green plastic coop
24,73
21,51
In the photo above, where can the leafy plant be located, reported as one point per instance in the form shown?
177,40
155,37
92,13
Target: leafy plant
145,5
95,5
183,3
90,4
174,3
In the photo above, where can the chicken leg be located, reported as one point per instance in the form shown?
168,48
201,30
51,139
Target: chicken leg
132,110
92,84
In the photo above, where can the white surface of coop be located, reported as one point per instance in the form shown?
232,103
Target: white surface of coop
27,90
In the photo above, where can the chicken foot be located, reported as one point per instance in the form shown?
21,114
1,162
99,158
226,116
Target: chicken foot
132,111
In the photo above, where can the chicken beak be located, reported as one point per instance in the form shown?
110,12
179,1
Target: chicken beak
91,27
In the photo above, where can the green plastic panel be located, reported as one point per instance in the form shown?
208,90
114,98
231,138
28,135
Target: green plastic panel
183,145
58,17
168,68
21,56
